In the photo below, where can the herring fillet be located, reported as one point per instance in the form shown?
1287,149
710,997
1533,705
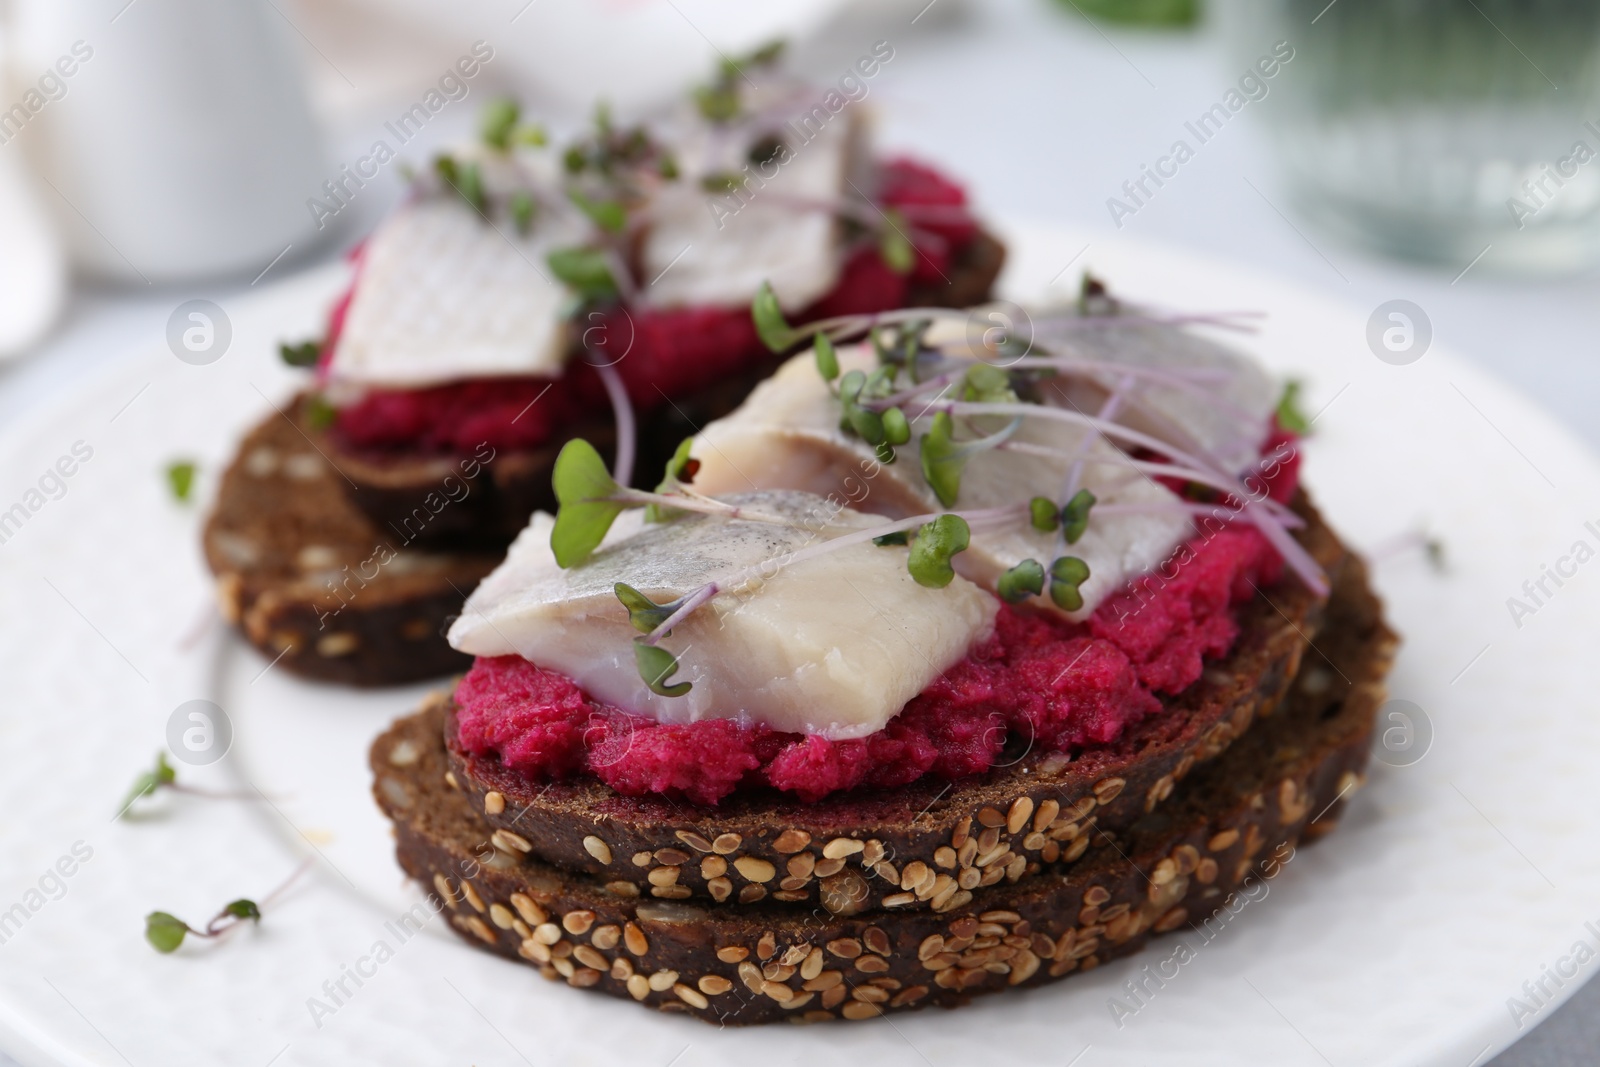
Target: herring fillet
834,645
442,295
787,435
709,249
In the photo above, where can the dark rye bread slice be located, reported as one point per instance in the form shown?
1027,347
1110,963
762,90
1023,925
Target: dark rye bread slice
314,584
1236,818
391,487
924,845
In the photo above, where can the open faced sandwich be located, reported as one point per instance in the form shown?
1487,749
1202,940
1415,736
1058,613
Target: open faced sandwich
518,292
951,661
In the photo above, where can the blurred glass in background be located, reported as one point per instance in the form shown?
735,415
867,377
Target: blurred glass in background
1440,130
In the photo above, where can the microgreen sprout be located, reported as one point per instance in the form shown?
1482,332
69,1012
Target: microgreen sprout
587,271
586,493
893,244
609,215
166,932
164,776
933,546
1075,515
644,613
1019,583
319,414
180,479
656,665
1290,417
304,354
1043,514
1066,574
680,472
522,211
771,326
827,359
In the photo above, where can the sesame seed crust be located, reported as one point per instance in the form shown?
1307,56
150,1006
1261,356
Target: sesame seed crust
1233,819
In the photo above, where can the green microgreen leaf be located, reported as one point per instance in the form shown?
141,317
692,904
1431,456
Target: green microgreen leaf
304,354
574,160
499,122
943,459
149,781
656,665
896,427
243,909
466,180
1066,574
644,613
726,182
1075,516
827,358
717,103
585,270
901,537
893,244
609,215
864,423
771,326
984,383
667,167
1290,417
319,413
532,135
164,932
932,548
1019,583
180,478
522,207
680,470
1043,514
583,489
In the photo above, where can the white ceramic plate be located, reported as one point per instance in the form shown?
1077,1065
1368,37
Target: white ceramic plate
1396,941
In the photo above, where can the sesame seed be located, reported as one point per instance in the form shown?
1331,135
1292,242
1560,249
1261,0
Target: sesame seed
858,1010
1106,789
719,888
477,926
713,867
662,980
898,900
501,916
526,908
446,892
1021,811
733,953
663,876
508,841
471,893
607,936
590,957
494,803
672,892
690,996
622,889
726,844
450,780
846,948
1222,840
638,986
642,859
840,847
750,975
694,840
714,984
767,947
752,893
753,869
876,940
777,991
672,857
633,938
597,848
791,841
578,922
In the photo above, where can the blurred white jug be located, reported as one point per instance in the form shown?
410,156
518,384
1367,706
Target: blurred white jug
174,136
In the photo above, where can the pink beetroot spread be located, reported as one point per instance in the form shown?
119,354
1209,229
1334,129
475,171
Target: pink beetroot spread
668,353
1065,685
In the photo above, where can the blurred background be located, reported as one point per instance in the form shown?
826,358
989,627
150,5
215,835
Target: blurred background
1442,152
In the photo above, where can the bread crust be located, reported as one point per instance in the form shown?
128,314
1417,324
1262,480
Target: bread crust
1230,823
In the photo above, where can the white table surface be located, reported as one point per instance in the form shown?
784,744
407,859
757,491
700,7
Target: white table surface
1044,116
